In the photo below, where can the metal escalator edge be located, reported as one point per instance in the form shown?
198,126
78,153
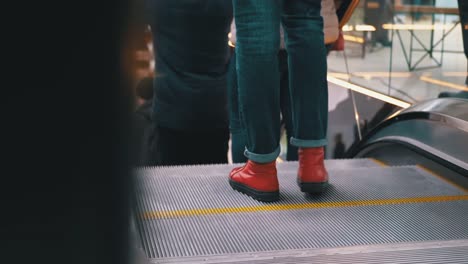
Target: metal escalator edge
436,129
452,251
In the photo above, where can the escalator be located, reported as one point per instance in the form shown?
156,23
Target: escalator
432,134
401,197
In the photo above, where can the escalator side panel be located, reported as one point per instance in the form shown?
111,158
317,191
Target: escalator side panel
447,141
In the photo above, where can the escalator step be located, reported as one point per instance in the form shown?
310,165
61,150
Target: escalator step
439,252
189,211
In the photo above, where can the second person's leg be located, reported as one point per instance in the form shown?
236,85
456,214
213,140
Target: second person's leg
257,45
286,111
307,62
238,138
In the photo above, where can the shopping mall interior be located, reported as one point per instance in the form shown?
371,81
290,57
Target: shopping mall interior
188,131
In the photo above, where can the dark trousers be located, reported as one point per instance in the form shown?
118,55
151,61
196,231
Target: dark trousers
285,104
238,136
185,147
257,46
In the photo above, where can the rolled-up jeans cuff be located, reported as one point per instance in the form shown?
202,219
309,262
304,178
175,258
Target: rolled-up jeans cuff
308,143
262,158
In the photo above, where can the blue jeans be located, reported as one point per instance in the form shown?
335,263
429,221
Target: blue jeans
257,45
238,137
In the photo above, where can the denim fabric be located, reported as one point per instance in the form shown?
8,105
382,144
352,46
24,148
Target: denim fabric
285,103
238,135
263,158
257,23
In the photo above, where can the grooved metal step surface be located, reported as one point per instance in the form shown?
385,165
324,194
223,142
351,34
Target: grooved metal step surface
453,251
190,211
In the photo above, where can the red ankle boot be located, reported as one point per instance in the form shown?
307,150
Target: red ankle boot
312,177
258,180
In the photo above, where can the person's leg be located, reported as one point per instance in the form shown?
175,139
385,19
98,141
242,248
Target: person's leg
385,15
172,147
213,146
186,147
307,71
238,137
416,15
307,62
371,17
463,9
285,99
257,25
258,40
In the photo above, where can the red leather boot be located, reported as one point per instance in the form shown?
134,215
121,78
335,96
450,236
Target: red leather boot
312,177
258,180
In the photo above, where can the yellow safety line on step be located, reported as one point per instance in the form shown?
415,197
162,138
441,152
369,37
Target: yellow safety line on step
152,215
442,178
381,163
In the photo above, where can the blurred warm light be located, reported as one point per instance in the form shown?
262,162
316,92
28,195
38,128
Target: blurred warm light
383,74
368,92
347,28
339,75
142,73
143,55
443,83
365,28
370,75
417,27
231,44
455,74
353,39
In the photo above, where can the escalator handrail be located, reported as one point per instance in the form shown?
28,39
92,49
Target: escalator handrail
451,112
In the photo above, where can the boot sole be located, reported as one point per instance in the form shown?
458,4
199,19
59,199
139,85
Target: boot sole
312,187
257,195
